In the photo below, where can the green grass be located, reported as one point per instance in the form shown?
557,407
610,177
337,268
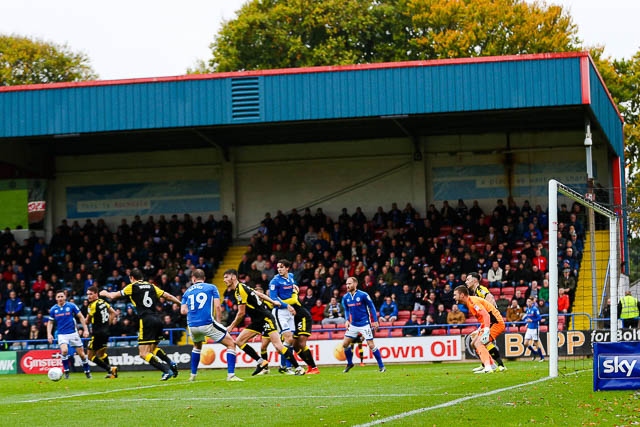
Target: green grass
332,398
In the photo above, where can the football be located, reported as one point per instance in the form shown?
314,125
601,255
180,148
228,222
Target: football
55,374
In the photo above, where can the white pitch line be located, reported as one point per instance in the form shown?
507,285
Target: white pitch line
447,404
71,396
40,399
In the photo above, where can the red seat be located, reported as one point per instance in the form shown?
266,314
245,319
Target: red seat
439,331
337,335
454,331
512,329
316,327
544,328
404,315
467,330
507,292
418,313
316,336
495,292
522,289
382,333
396,332
523,329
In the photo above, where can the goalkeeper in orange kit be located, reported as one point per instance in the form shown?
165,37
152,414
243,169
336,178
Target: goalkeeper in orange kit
491,325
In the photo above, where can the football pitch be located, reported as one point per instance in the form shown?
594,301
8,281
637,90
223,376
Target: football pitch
434,394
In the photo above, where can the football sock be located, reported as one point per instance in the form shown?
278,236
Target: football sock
195,360
251,352
288,353
85,365
160,354
156,363
231,362
65,362
100,362
378,356
305,354
495,354
348,352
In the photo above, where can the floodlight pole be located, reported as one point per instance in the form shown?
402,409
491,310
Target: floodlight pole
588,142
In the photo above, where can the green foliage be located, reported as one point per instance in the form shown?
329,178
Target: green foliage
28,61
270,34
331,398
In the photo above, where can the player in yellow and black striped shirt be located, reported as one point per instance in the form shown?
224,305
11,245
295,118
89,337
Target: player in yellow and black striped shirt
100,316
249,303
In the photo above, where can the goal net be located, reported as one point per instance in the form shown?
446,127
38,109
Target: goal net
584,256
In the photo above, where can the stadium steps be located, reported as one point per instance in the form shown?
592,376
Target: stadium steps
231,260
584,292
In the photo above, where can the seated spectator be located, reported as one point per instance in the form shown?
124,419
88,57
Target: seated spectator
446,296
428,325
38,304
317,311
567,282
13,306
494,275
441,315
455,316
502,304
22,330
413,327
519,296
508,276
168,323
388,310
563,303
406,299
514,312
8,331
333,313
543,292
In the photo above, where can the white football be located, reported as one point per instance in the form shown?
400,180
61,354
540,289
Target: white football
55,374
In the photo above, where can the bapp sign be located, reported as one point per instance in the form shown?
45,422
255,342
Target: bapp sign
616,366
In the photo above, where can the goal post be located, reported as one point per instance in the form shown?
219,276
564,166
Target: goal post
555,189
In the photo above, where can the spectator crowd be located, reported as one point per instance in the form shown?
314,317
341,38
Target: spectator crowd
405,260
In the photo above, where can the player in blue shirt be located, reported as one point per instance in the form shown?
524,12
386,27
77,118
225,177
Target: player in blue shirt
282,289
358,310
532,336
201,305
64,314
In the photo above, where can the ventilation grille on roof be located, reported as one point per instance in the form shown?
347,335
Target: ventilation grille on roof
245,98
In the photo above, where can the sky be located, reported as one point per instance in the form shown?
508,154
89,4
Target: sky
143,38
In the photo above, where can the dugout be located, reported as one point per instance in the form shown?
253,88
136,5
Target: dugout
246,143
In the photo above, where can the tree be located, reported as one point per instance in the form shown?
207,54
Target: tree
29,61
270,34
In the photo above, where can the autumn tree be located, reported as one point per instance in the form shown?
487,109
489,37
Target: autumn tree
268,34
29,61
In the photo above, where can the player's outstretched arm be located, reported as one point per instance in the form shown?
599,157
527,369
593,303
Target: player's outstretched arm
111,295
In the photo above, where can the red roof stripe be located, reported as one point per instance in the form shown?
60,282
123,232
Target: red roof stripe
287,71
